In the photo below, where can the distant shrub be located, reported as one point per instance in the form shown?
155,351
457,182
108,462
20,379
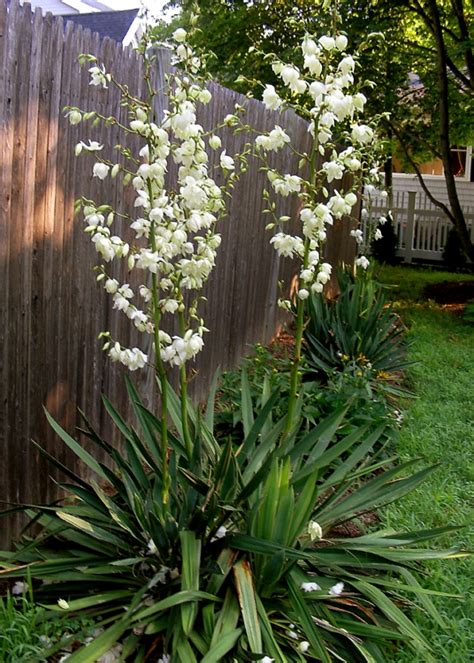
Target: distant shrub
384,249
453,254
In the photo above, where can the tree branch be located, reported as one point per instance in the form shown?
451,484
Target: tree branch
430,22
419,176
465,37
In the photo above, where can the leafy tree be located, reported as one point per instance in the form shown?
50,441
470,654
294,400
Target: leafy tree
421,61
438,116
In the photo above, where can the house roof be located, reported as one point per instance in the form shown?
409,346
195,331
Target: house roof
113,24
62,7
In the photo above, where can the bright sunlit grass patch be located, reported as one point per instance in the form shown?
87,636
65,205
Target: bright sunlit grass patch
439,427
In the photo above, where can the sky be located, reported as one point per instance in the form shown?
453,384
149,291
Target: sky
154,5
131,4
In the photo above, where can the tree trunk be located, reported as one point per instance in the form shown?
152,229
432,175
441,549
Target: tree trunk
445,145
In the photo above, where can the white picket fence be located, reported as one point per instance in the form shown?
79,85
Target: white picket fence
422,228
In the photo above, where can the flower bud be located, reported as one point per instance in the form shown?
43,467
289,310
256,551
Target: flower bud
215,142
328,43
205,96
141,115
138,126
341,42
179,35
74,117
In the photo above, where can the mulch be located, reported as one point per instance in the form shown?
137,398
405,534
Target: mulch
450,292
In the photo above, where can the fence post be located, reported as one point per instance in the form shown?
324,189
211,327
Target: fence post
410,226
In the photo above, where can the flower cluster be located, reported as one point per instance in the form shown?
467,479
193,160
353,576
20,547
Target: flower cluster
176,241
324,91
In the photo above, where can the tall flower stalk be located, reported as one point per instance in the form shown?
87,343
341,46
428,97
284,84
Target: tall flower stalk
176,240
343,146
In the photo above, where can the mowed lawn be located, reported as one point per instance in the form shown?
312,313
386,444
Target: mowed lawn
439,428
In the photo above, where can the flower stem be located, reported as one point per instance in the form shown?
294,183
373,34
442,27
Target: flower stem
300,307
294,375
183,379
161,374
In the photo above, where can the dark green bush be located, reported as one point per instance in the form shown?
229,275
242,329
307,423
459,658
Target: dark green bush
384,250
453,255
356,333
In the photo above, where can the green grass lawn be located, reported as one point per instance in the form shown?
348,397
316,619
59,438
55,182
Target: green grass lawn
439,427
407,283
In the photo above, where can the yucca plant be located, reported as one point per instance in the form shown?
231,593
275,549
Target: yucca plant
357,330
247,563
184,548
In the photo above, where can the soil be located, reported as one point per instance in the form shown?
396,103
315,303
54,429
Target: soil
450,292
283,344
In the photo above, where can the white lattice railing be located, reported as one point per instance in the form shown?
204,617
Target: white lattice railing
422,229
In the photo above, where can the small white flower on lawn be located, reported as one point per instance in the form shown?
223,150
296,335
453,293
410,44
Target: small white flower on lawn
314,530
267,659
303,646
19,588
63,604
310,587
303,293
292,634
337,589
378,234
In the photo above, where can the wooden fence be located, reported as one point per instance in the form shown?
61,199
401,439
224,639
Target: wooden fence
50,306
421,227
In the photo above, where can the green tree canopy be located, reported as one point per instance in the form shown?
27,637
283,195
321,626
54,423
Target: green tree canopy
420,57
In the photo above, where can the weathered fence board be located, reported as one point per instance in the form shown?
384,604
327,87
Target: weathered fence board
52,310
